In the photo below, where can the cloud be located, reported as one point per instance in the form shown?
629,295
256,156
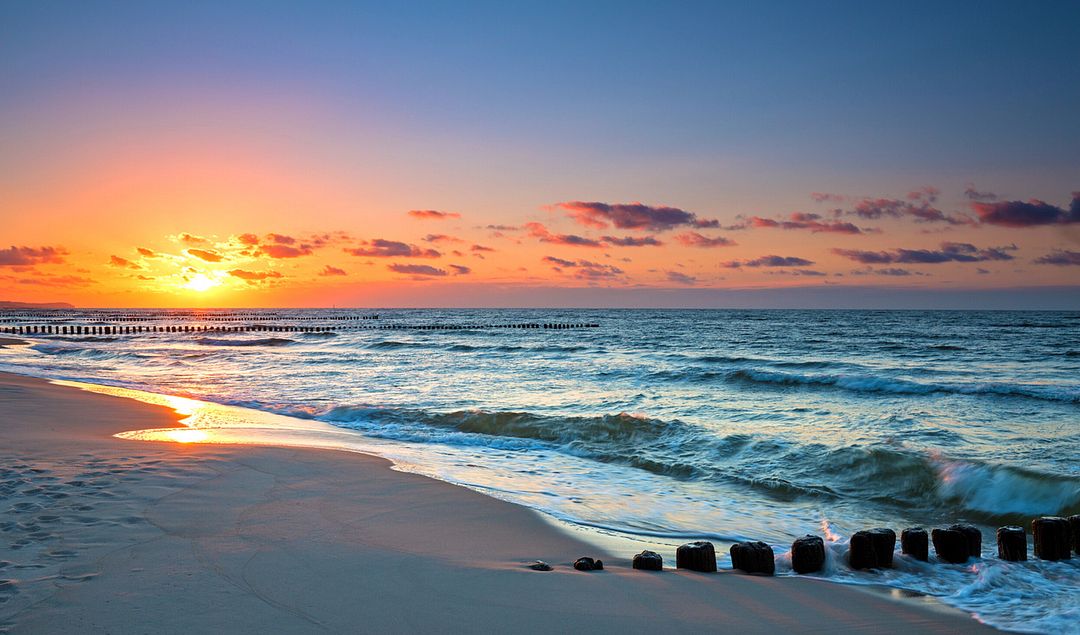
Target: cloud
481,248
1059,258
631,216
1027,214
23,256
431,214
441,238
283,251
886,271
381,248
147,253
949,252
248,239
694,239
416,270
797,272
332,271
630,241
460,270
558,262
281,239
584,269
918,205
251,277
540,232
768,261
191,239
207,255
117,261
680,278
812,222
55,281
975,195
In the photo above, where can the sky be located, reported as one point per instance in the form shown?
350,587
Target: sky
824,154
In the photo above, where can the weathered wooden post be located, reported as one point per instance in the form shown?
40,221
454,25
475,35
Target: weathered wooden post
1051,538
915,543
753,557
951,545
648,561
807,554
1012,543
973,537
696,556
1074,531
872,549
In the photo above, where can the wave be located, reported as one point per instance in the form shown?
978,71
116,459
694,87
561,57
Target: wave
89,353
782,470
875,384
266,341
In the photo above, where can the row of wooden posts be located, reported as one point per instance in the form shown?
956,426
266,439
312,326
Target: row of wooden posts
56,329
1055,539
153,317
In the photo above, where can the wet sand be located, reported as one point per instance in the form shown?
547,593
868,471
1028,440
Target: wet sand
105,535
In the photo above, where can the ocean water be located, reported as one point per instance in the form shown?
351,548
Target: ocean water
660,426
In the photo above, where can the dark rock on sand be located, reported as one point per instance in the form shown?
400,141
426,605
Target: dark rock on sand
696,556
916,543
951,545
1051,538
649,561
807,554
1012,543
753,557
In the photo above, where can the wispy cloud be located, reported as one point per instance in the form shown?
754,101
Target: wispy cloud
416,270
381,248
24,256
949,252
768,261
631,216
694,239
1032,213
541,233
1059,258
432,214
252,277
205,254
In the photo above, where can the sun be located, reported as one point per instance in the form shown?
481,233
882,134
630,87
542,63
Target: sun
201,282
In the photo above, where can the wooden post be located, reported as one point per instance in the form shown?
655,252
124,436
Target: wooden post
1012,543
808,554
1051,538
696,556
915,543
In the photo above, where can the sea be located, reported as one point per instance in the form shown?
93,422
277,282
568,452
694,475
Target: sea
651,428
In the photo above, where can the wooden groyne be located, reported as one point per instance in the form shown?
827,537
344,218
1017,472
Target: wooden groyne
140,329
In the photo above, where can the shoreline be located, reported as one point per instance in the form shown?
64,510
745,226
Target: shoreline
287,538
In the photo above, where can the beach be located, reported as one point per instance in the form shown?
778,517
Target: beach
112,535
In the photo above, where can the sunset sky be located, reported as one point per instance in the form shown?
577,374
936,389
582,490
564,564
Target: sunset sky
537,154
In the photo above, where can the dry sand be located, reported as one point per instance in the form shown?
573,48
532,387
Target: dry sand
103,535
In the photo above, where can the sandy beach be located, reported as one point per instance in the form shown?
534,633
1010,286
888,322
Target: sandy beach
103,535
